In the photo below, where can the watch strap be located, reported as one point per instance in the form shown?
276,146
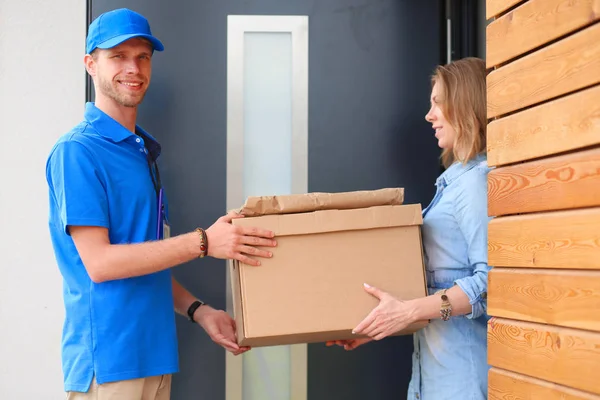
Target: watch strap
446,307
192,309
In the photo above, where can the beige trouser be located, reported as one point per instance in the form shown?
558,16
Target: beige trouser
152,388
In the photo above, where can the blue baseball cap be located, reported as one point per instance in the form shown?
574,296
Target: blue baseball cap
114,27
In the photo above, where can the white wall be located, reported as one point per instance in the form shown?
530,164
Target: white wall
42,89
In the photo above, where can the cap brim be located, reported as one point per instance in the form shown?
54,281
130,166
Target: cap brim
109,44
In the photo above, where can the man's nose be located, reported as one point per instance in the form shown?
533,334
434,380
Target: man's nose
132,67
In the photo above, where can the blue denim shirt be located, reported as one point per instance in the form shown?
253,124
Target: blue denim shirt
450,357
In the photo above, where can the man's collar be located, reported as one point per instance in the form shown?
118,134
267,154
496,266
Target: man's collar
154,148
109,128
105,125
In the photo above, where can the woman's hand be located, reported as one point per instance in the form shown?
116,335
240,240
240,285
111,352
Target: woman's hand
350,344
390,316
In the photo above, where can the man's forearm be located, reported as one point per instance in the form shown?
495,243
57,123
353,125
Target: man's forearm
181,298
184,299
105,261
130,260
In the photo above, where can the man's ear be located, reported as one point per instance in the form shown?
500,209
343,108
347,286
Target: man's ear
90,64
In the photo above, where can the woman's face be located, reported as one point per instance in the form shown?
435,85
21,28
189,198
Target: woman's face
444,132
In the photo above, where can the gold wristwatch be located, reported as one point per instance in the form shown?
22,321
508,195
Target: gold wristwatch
446,307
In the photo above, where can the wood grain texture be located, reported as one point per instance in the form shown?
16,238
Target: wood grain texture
534,24
565,356
555,297
497,7
556,183
563,67
563,239
506,385
561,125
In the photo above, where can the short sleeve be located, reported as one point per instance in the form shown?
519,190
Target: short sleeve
76,186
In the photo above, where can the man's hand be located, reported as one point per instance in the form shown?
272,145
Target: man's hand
237,243
390,316
220,327
350,344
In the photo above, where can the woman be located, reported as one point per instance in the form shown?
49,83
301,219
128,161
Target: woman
450,355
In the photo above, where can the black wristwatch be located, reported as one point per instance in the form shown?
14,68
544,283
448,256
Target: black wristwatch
192,309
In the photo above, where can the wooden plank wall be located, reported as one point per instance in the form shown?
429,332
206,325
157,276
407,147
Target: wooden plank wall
543,141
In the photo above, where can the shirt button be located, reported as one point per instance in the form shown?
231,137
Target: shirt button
417,396
138,140
141,150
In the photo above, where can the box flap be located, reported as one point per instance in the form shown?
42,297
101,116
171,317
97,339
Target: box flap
336,220
297,203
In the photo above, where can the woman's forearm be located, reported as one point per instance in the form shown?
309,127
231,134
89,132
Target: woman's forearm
429,307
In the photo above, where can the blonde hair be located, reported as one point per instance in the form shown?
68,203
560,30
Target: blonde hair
462,83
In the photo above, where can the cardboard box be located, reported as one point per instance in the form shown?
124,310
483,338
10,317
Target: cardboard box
312,288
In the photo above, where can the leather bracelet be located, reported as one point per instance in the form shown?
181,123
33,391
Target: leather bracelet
192,309
203,242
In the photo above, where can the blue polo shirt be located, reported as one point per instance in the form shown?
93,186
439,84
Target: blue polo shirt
98,175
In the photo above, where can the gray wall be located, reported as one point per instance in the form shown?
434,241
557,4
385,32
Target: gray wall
41,97
369,68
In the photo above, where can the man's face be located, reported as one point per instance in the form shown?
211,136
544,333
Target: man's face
123,72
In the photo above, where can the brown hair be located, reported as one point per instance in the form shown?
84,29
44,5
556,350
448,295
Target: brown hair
463,84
